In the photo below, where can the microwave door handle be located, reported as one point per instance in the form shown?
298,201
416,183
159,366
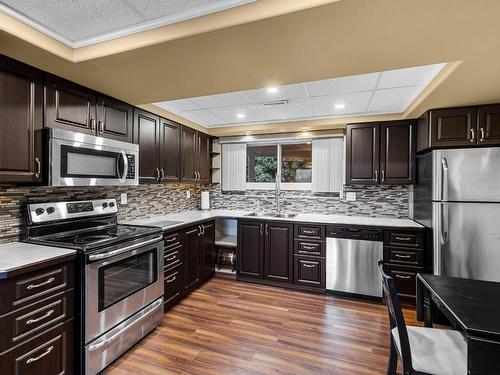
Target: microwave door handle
123,176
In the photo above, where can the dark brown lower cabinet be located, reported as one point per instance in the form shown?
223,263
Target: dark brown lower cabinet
278,250
309,271
191,259
250,249
207,250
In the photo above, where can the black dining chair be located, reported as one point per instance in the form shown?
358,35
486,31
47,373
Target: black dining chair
423,351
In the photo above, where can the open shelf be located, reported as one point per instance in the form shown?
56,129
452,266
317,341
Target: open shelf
226,241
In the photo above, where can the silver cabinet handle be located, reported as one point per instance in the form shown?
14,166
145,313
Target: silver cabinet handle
376,175
162,174
267,229
45,316
260,228
171,239
383,175
309,265
203,228
172,279
402,238
100,127
308,247
472,135
39,168
402,256
171,258
92,124
308,231
34,359
403,277
482,135
123,249
34,286
157,175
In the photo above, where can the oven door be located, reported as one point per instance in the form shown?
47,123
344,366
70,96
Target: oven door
120,281
91,161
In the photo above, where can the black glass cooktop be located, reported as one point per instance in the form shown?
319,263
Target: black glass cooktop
94,238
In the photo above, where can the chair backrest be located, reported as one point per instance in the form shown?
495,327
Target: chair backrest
396,317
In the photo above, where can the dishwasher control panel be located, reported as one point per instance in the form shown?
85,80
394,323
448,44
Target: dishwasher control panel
355,233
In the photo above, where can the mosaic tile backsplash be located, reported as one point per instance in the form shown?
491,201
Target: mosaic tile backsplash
154,199
371,200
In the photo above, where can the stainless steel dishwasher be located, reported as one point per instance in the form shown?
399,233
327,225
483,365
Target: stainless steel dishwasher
351,260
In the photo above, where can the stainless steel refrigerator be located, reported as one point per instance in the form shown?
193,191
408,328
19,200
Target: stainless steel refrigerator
457,194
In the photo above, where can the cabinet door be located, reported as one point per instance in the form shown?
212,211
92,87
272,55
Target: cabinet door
203,157
278,261
188,154
488,125
21,98
397,152
191,256
453,127
147,136
363,153
170,150
114,119
207,250
250,249
69,106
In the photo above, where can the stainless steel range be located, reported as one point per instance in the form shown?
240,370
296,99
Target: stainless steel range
119,270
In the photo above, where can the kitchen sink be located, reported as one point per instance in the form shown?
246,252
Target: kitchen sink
284,215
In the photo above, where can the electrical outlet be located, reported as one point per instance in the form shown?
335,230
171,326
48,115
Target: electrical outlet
123,198
350,196
188,194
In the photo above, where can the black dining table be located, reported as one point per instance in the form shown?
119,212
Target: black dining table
470,306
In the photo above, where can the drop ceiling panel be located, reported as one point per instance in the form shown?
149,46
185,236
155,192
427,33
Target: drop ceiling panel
80,23
375,93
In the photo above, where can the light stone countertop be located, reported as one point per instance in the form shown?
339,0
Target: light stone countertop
191,217
15,256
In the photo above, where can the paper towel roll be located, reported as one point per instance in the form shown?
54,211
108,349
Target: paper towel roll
205,200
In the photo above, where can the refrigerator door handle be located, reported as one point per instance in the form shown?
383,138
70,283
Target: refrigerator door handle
444,179
444,223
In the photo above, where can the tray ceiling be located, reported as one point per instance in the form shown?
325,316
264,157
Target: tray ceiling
82,23
358,95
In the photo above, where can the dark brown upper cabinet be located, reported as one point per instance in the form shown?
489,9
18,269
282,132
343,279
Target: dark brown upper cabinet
170,151
195,156
114,119
381,153
363,150
21,121
488,117
147,136
69,106
397,152
459,127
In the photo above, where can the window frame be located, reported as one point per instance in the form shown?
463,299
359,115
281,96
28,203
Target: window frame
283,185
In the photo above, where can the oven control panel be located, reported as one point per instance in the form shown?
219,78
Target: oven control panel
53,211
131,166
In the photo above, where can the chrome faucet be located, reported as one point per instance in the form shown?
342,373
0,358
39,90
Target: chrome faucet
278,191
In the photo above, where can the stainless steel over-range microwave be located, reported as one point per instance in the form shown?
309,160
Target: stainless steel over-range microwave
76,159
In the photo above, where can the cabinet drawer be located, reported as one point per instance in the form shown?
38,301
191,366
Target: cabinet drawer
405,280
26,322
28,288
310,248
174,284
309,271
48,354
172,257
171,240
404,238
316,232
404,256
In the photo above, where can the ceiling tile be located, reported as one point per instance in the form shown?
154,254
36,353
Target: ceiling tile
221,100
252,113
409,76
285,92
203,117
295,109
362,82
393,100
180,105
353,103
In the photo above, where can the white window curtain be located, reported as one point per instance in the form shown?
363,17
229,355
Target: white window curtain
234,166
327,165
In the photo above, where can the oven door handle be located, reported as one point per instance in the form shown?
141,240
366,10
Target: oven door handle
123,177
109,340
123,249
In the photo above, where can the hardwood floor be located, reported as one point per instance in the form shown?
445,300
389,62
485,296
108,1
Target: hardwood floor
228,327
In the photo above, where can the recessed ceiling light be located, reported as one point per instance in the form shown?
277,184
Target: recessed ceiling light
339,106
240,115
247,134
304,130
272,90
